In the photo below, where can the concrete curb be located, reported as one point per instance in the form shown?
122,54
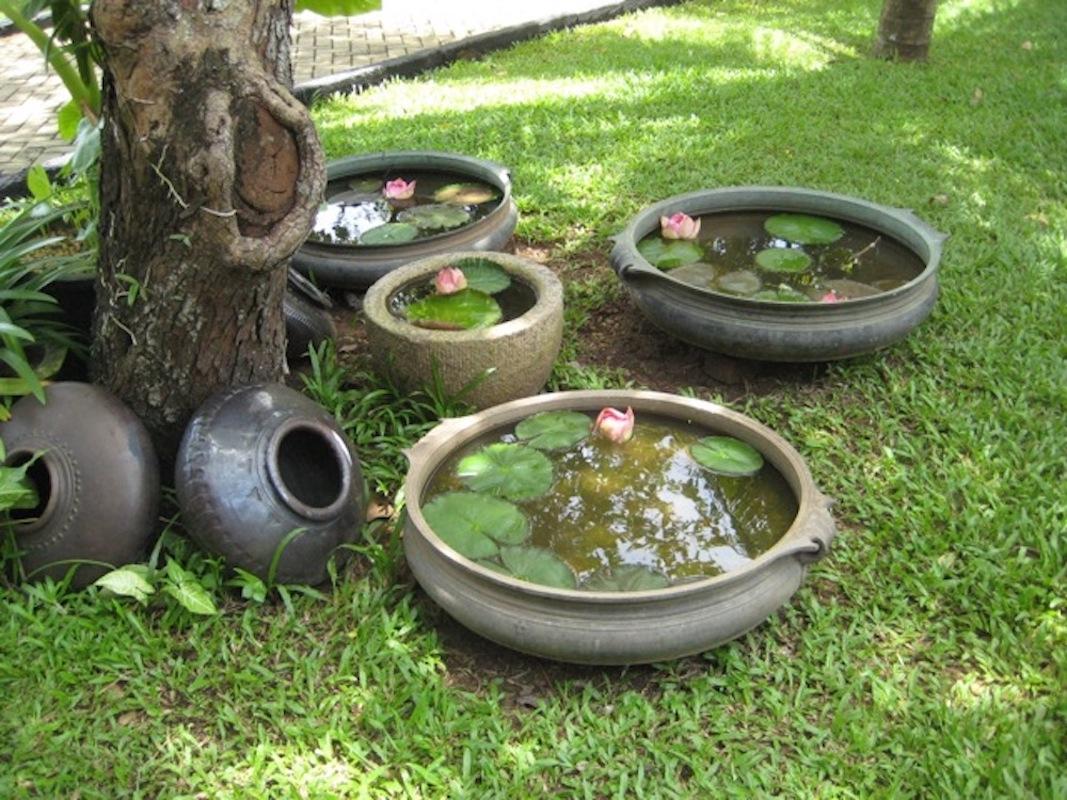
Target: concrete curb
477,45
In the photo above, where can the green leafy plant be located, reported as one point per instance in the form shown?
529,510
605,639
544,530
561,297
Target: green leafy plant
28,314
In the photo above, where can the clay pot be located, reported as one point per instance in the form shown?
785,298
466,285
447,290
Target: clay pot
97,479
770,330
258,463
357,267
594,627
520,351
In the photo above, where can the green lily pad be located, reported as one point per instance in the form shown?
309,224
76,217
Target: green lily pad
802,229
507,470
848,289
783,259
434,217
484,275
495,567
389,233
742,281
365,185
465,194
537,565
699,274
628,578
467,309
782,294
727,456
554,430
669,254
474,525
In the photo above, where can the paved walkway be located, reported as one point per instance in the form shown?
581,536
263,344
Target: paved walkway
322,47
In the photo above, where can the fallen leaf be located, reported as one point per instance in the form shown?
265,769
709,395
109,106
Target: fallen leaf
378,508
1039,218
940,200
977,97
128,718
1028,45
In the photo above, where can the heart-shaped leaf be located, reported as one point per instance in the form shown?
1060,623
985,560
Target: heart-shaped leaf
128,583
434,217
698,274
389,233
513,471
467,309
554,430
782,294
803,229
848,289
783,259
365,185
465,194
537,565
742,282
727,456
628,578
669,254
474,524
484,275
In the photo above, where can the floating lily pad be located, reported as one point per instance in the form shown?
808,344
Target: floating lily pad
389,233
699,274
484,275
365,185
507,470
495,567
554,430
537,565
782,294
741,281
783,259
466,194
727,456
669,254
803,229
851,290
475,524
434,217
628,578
467,309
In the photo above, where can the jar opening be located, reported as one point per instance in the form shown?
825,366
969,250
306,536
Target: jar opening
310,469
39,476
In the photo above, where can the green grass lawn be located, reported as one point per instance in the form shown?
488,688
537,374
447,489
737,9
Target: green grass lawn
926,657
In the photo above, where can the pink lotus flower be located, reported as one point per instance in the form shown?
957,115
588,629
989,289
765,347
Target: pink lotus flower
679,226
830,297
450,280
615,425
398,189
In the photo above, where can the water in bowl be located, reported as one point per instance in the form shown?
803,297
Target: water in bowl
727,259
442,201
642,508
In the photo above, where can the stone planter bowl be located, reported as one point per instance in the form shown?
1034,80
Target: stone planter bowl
613,627
520,351
358,266
770,330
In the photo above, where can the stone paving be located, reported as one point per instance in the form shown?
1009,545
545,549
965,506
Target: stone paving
30,95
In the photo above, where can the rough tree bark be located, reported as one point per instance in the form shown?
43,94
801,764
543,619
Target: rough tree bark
904,29
211,174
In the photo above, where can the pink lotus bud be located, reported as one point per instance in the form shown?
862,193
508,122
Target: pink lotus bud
830,297
679,226
450,280
398,189
615,425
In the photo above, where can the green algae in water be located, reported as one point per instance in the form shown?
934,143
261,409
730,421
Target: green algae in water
620,514
844,259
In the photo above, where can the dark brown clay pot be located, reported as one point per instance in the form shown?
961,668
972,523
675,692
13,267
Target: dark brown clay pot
97,479
257,464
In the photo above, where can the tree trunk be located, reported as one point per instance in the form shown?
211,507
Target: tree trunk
904,29
210,176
